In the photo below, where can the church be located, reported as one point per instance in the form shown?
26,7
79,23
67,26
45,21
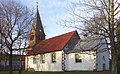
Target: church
66,52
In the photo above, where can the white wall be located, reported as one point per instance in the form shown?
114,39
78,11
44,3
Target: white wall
103,51
30,63
88,61
48,65
101,61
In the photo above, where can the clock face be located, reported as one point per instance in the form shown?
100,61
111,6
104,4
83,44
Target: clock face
40,30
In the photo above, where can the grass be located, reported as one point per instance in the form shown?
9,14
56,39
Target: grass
16,72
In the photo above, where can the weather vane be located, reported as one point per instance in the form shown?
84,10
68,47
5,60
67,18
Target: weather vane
37,3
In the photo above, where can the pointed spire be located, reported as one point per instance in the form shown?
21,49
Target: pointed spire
37,20
37,13
37,28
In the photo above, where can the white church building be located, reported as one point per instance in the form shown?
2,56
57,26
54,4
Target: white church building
66,52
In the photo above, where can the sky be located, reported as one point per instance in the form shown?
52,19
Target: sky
51,12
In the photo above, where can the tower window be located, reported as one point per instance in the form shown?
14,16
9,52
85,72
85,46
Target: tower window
39,38
31,37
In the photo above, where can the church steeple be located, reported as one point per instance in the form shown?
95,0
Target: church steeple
37,32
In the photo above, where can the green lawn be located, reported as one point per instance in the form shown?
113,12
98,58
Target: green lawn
15,72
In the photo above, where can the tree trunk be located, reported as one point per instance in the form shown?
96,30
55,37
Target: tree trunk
5,62
20,66
113,54
114,63
112,38
10,62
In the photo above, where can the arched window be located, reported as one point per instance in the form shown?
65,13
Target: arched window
34,60
53,57
31,37
43,58
104,58
103,66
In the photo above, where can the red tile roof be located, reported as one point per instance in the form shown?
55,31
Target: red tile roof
52,44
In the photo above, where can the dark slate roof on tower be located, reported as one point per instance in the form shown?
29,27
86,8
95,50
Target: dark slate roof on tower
37,24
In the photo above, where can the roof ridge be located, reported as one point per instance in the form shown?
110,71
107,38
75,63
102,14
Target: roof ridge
59,35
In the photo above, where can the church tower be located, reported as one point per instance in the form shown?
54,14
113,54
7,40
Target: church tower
36,33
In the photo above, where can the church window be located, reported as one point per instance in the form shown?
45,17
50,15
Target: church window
34,60
31,37
103,66
78,58
43,58
104,58
53,57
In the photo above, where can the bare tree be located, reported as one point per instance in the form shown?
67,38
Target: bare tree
14,27
97,16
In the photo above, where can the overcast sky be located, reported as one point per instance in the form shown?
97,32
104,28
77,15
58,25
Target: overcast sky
51,13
